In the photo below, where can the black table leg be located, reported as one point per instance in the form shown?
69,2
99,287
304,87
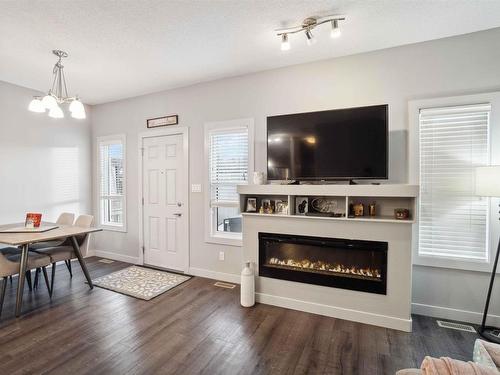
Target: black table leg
20,280
76,248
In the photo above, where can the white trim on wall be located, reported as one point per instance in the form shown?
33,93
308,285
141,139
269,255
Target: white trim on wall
171,130
414,107
97,188
230,239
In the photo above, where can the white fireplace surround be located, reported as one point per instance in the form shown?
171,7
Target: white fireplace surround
392,310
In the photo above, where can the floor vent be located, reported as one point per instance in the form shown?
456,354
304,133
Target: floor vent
221,284
457,326
107,261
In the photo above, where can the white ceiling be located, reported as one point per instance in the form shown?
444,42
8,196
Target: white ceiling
120,49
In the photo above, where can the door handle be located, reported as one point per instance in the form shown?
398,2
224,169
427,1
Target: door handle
178,214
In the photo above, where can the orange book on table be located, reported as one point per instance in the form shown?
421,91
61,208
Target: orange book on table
33,220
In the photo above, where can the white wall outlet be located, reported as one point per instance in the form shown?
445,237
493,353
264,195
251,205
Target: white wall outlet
195,188
221,255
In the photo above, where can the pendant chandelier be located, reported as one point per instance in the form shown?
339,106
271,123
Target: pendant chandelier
58,95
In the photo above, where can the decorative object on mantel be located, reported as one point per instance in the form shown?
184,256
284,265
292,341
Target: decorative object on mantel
266,206
359,209
259,178
488,185
251,204
301,205
401,213
281,208
307,26
372,209
247,286
162,121
58,94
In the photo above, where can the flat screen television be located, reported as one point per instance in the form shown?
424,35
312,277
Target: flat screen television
340,144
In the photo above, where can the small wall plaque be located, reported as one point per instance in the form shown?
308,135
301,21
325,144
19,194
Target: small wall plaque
162,121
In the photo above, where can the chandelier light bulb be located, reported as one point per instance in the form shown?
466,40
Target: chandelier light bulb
80,114
335,29
76,106
49,101
285,44
36,105
56,112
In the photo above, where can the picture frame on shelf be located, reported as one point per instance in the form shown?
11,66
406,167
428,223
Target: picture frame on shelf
281,207
251,205
301,205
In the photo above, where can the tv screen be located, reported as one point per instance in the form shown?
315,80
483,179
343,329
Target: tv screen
339,144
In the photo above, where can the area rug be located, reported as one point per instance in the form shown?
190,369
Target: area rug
140,282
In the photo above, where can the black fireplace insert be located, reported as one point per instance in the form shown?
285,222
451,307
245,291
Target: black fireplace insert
335,262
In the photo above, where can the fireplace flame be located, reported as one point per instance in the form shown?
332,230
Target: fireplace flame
322,266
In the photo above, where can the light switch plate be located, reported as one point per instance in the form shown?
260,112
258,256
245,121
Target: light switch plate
195,188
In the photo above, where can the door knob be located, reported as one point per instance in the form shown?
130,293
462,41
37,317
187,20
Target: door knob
179,204
178,214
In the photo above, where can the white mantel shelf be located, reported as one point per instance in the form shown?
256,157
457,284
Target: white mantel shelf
383,190
380,219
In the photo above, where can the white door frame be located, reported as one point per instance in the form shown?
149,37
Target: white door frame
171,130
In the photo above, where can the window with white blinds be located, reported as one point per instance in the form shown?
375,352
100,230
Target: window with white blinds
111,164
453,221
228,167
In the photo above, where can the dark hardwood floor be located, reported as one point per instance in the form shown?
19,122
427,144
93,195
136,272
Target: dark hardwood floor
198,328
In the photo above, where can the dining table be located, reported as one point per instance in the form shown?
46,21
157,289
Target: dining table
23,239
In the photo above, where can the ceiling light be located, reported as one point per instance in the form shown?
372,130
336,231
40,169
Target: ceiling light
335,29
56,112
58,94
36,105
310,38
307,26
285,44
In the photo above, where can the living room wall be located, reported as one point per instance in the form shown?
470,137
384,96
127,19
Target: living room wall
44,162
452,66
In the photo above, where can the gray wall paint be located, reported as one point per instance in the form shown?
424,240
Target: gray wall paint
44,162
452,66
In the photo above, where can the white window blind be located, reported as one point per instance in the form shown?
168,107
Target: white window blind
228,167
111,182
453,221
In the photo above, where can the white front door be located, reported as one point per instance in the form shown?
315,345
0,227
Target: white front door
164,186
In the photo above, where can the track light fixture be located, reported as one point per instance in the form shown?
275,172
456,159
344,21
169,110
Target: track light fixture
307,26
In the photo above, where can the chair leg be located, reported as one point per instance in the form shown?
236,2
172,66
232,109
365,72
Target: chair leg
53,274
46,278
2,293
28,279
68,264
37,274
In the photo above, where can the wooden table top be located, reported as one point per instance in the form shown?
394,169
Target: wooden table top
62,231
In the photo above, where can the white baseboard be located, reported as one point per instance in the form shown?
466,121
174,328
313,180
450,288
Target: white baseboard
453,314
115,256
336,312
222,276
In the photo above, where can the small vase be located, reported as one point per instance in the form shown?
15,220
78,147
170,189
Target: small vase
247,286
258,178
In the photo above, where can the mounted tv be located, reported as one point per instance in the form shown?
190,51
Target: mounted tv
341,144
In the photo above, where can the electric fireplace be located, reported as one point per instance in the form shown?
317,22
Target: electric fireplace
335,262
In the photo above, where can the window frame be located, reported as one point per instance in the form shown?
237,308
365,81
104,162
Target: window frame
493,227
211,236
106,140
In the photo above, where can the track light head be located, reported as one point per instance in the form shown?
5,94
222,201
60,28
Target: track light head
310,37
285,44
335,29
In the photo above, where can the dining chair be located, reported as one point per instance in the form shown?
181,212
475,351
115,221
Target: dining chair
65,252
66,218
9,266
